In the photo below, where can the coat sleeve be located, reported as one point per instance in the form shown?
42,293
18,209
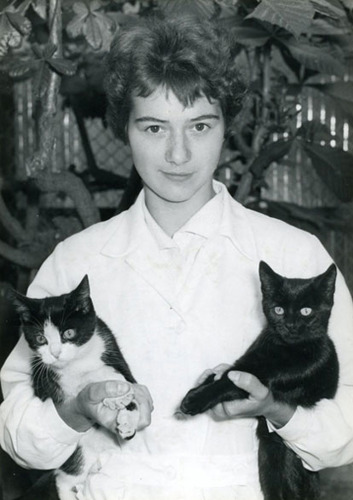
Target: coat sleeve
323,436
31,431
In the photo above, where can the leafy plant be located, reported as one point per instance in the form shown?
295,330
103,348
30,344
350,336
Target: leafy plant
284,49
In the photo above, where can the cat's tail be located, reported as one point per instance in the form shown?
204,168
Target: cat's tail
209,393
282,474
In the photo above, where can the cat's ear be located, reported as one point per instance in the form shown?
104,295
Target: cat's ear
326,282
81,296
269,279
22,303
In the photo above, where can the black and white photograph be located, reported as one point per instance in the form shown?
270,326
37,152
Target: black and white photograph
176,249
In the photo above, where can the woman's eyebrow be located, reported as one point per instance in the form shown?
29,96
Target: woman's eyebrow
205,117
150,119
159,120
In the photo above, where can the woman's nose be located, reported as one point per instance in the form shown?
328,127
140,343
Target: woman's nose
178,149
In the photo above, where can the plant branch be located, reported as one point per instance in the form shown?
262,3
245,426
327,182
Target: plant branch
24,258
44,156
73,186
261,130
40,166
10,223
100,175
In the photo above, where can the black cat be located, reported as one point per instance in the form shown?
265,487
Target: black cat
294,357
73,347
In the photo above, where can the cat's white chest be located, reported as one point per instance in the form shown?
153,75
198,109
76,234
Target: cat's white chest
86,368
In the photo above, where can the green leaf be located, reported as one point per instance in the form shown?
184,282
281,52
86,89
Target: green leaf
22,6
38,51
14,39
270,153
41,80
4,4
92,32
80,8
105,22
325,27
22,69
294,16
251,36
204,8
329,8
75,26
20,23
40,7
325,58
310,219
49,50
335,167
62,66
12,27
95,26
348,4
341,92
5,31
314,130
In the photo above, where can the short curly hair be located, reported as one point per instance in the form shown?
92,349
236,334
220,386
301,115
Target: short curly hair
192,58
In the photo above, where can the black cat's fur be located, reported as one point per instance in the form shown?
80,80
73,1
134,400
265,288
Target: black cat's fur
294,357
67,337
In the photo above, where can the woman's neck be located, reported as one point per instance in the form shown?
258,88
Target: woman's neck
171,216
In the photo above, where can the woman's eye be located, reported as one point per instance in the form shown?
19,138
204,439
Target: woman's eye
201,127
305,311
279,311
40,339
69,334
154,129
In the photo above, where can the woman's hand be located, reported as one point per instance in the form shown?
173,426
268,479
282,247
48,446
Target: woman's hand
145,404
259,403
87,408
217,372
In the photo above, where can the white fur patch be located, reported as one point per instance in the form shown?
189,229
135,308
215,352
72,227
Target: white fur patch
86,367
52,351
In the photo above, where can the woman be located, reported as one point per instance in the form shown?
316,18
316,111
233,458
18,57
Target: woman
176,278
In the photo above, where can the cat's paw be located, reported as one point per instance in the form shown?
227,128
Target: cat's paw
127,421
191,404
197,399
119,402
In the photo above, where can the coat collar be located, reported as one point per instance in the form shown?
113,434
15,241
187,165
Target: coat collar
237,225
132,240
131,234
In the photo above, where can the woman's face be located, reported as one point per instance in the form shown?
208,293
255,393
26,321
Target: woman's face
175,149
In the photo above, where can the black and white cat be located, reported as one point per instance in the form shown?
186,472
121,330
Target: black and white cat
73,347
294,357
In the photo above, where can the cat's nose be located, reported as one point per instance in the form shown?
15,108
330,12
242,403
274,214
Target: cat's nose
290,328
293,329
55,351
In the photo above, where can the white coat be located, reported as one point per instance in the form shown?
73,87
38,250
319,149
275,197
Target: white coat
170,330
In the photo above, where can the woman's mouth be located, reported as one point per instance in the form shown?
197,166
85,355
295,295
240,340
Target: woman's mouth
177,177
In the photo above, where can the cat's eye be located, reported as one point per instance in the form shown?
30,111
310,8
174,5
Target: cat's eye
306,311
40,339
279,310
69,334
